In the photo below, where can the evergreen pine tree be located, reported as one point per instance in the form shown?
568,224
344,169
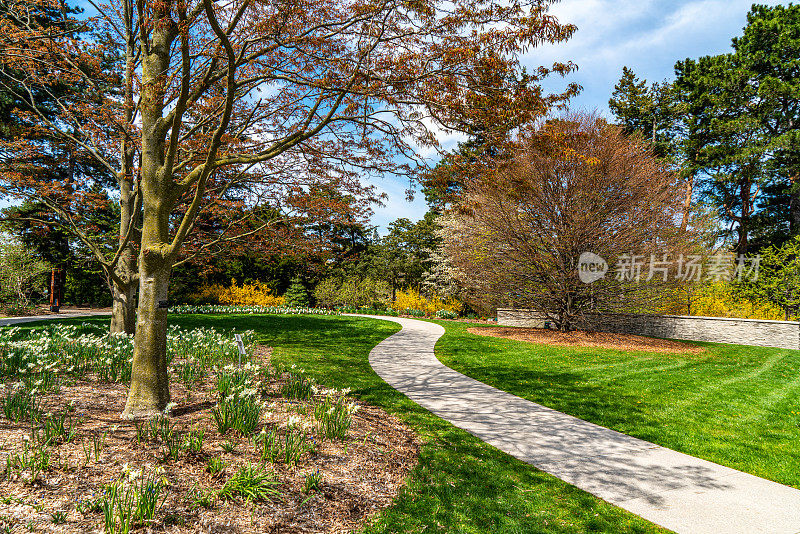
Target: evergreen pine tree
297,294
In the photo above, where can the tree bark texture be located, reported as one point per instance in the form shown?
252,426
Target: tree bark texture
123,308
149,393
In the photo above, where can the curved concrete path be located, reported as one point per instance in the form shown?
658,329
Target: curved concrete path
7,321
680,492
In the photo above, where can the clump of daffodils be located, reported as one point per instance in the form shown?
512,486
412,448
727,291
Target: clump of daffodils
75,350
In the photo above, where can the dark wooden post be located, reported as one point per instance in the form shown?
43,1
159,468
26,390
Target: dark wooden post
56,289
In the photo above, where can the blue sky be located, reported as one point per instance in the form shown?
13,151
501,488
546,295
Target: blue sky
647,35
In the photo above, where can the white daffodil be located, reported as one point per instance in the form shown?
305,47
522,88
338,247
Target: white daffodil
293,421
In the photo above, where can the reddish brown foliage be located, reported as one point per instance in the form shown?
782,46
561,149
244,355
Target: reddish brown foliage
576,185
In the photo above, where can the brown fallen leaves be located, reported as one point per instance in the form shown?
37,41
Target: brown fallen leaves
580,338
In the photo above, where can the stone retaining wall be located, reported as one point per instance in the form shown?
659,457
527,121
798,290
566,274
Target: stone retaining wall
783,334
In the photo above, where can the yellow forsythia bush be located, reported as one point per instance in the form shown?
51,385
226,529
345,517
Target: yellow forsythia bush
719,302
251,294
412,300
717,299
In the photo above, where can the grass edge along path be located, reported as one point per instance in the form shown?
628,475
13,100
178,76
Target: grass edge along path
461,484
734,405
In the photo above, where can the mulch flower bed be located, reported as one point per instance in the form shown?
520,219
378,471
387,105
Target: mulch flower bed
580,338
335,486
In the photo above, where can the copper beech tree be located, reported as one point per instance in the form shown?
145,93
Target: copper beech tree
74,136
282,220
223,93
575,185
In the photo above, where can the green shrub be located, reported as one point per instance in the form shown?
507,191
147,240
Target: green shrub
220,309
230,379
58,429
193,441
352,293
155,428
203,498
312,482
125,505
268,445
34,458
288,447
215,465
20,404
446,314
189,373
172,446
295,445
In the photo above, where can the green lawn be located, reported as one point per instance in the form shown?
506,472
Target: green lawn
461,485
735,405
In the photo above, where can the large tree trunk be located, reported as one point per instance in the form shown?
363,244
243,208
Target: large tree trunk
123,308
123,280
794,210
149,392
124,283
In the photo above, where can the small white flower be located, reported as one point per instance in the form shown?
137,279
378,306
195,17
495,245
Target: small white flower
293,421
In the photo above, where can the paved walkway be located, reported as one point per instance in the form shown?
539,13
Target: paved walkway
66,315
677,491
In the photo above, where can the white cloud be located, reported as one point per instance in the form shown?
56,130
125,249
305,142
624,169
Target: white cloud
649,36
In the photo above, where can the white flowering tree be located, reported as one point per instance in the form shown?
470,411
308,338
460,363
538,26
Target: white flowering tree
21,273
